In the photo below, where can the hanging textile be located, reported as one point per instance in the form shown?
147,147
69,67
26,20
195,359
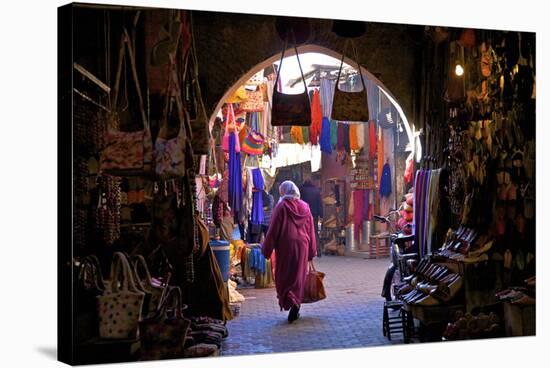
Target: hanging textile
380,148
340,145
433,208
333,134
346,137
327,95
235,187
297,134
385,181
305,134
324,141
372,139
361,135
353,145
316,118
257,200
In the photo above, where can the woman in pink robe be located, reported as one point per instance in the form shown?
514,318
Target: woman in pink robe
291,235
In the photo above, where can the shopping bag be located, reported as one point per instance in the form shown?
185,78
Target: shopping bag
314,289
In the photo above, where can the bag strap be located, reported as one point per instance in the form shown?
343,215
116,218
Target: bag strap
140,261
356,59
120,266
173,298
281,63
126,45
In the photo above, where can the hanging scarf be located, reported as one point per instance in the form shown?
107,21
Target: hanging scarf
346,137
257,200
296,134
327,95
372,139
380,146
235,178
316,118
353,145
324,141
305,134
385,181
340,145
333,134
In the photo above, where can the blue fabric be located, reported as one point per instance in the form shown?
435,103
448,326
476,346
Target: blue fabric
257,200
324,141
235,187
257,260
385,181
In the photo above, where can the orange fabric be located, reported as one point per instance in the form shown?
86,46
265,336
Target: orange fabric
353,143
381,158
316,118
296,134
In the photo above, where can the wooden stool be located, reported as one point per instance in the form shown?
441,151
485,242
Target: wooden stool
393,323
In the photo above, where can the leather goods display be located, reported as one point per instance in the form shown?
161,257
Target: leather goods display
126,152
288,110
162,336
253,143
120,308
170,151
350,106
314,290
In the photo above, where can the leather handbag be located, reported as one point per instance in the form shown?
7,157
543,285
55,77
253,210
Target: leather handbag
146,282
162,335
288,110
314,290
126,153
350,106
120,308
170,152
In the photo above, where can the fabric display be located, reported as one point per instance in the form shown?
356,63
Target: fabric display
231,129
257,199
290,109
235,186
426,205
316,118
385,181
127,152
297,135
325,139
372,139
380,152
353,143
255,266
334,134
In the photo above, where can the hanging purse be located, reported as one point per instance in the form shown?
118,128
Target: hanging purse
254,101
253,143
162,336
350,106
230,128
120,308
126,153
288,110
170,152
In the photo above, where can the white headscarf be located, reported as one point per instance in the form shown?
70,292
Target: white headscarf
288,190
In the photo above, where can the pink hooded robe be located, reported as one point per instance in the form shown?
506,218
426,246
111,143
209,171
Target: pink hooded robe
291,235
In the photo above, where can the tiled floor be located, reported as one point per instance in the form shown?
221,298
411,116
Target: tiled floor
351,316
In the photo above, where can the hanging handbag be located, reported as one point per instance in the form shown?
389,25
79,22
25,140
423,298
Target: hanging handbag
253,143
147,284
126,153
230,128
288,110
162,336
350,106
170,152
254,101
314,290
120,308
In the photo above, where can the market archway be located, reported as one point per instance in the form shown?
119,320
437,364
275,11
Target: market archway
413,148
